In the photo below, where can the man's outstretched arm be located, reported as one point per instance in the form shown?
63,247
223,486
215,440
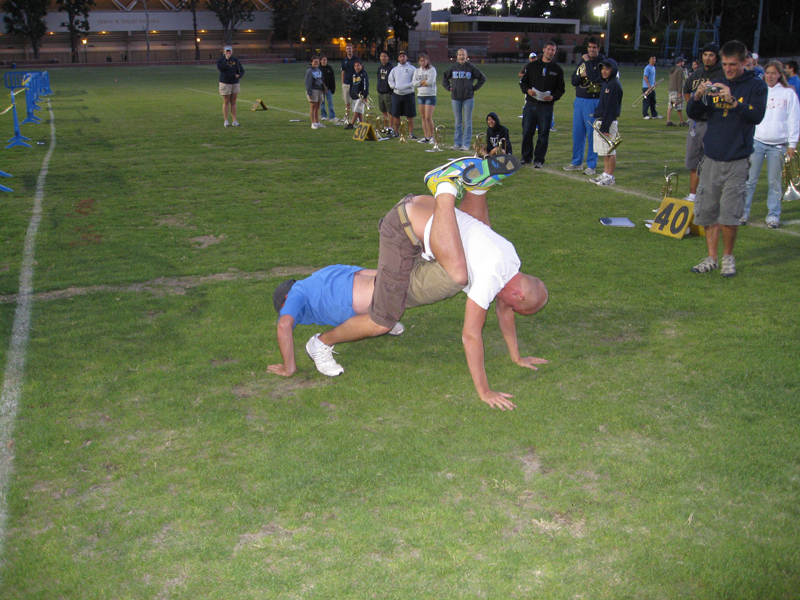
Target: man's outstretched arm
286,345
472,337
506,319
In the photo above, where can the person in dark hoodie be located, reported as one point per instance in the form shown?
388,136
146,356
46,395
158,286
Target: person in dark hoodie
230,72
359,90
711,69
734,106
329,79
462,80
494,133
607,113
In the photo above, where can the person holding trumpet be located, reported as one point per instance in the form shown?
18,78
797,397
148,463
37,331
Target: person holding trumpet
607,113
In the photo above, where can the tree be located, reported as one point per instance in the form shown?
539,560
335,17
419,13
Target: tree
192,5
231,14
77,21
26,17
403,13
373,23
315,20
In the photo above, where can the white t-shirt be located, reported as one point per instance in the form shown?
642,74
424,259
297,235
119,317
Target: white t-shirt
491,259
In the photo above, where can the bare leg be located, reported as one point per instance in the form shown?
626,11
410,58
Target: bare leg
233,106
476,206
609,164
694,181
729,238
355,328
712,239
445,239
226,107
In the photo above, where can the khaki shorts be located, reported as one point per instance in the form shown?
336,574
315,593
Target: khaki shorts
721,192
694,143
676,100
358,106
226,89
429,283
346,94
316,96
601,143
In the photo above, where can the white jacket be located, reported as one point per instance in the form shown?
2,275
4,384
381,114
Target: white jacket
400,79
429,75
781,122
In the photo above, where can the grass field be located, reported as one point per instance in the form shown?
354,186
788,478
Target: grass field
656,456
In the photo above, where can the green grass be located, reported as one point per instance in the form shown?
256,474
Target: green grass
655,457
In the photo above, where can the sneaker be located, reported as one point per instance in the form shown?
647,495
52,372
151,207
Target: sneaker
690,198
670,124
658,117
728,265
226,124
473,173
706,265
685,124
455,147
743,221
772,225
322,355
431,141
349,126
314,126
647,117
538,165
589,171
324,119
571,167
394,134
598,179
411,136
466,149
553,129
319,125
423,141
235,124
607,180
397,329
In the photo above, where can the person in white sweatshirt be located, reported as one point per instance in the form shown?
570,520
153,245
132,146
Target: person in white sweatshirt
425,83
775,136
401,81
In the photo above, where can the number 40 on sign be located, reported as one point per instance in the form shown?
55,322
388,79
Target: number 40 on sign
674,218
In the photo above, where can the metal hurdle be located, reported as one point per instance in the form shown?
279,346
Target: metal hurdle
16,82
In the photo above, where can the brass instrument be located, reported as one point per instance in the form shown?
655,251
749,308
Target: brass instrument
403,131
367,101
438,137
501,146
612,144
670,184
647,92
479,145
348,116
789,168
590,87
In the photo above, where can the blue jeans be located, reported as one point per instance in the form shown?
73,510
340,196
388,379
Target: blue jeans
536,115
330,114
462,109
774,157
582,113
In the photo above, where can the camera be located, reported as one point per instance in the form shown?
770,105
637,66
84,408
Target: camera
713,89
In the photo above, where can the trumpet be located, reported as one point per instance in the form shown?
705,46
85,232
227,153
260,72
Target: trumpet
670,184
647,92
403,131
612,144
479,145
438,137
367,101
790,173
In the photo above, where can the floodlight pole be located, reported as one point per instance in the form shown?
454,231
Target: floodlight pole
608,27
638,29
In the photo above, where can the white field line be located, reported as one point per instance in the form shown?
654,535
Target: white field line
20,332
294,112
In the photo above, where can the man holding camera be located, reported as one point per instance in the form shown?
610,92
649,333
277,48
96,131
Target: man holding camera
734,106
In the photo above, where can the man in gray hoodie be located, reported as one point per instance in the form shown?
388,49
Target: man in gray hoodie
462,80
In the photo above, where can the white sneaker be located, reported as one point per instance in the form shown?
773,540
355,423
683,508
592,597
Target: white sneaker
571,167
235,123
320,126
324,119
598,179
658,117
226,124
466,148
314,126
589,171
607,180
647,117
322,355
397,329
690,198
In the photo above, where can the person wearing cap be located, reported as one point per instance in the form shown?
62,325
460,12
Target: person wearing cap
755,66
711,69
401,80
587,80
734,105
531,58
328,297
230,73
607,115
462,80
677,77
648,87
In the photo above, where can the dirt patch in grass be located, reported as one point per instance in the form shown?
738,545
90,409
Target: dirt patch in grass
176,221
276,387
204,241
259,539
164,286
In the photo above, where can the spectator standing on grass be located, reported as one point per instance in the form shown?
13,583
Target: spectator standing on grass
677,77
734,107
230,73
649,83
382,86
791,75
424,82
587,81
756,67
329,79
775,136
711,69
359,90
315,91
607,113
401,81
542,82
348,69
462,80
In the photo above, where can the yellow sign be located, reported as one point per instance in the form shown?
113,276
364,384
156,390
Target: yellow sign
365,131
259,105
674,218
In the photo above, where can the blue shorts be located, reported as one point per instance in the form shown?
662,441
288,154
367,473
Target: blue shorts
429,100
403,106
